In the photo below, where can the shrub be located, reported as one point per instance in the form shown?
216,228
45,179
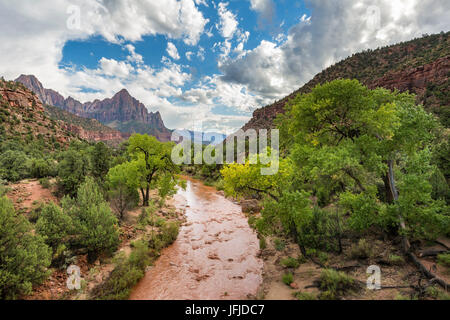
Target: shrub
444,259
14,165
262,242
335,284
396,260
361,250
279,244
304,296
41,168
290,262
95,226
54,225
24,257
288,278
45,183
169,232
127,272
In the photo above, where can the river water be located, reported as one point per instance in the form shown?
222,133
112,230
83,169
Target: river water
214,256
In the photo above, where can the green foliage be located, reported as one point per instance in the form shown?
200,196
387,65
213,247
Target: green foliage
96,226
24,257
73,169
42,168
54,225
304,296
361,250
444,259
279,244
100,160
126,274
290,262
45,183
166,188
288,278
396,260
336,284
262,243
123,193
14,165
151,159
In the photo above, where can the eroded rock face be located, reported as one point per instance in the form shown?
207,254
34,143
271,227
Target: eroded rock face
122,107
415,80
408,66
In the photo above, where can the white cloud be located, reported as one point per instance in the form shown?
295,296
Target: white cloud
189,55
228,23
331,33
172,51
264,7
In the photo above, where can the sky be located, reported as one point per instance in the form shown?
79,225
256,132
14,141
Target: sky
204,64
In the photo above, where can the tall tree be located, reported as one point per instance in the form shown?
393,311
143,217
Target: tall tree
151,158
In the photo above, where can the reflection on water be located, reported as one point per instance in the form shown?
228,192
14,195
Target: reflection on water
214,256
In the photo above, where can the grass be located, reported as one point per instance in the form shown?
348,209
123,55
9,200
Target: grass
444,259
279,244
396,260
336,284
361,250
288,278
304,296
290,262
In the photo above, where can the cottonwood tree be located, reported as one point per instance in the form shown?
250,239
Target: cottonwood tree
151,158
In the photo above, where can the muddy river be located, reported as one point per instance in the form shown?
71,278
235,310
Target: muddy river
214,257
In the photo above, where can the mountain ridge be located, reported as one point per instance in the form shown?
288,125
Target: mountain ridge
124,111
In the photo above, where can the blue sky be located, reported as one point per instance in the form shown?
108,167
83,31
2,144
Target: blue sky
204,64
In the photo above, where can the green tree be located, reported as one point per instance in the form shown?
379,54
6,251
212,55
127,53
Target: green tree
166,187
54,225
123,188
151,158
367,151
95,225
100,159
24,257
73,169
14,165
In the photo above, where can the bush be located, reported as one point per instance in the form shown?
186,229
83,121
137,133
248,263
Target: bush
125,275
95,226
288,278
262,243
14,165
73,170
336,284
24,257
279,244
169,232
396,260
290,262
444,259
361,250
45,183
54,225
41,168
304,296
